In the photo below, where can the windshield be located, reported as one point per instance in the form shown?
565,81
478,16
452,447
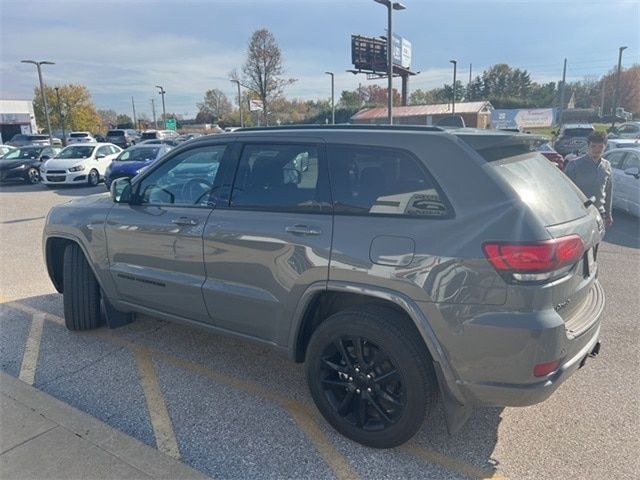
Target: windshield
577,132
79,135
148,135
82,151
138,155
23,153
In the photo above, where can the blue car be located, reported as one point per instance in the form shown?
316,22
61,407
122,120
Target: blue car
132,161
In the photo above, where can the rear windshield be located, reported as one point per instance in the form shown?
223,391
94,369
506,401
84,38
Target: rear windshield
115,133
37,137
577,132
79,135
149,135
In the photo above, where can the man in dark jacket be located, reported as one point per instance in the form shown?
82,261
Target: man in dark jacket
592,174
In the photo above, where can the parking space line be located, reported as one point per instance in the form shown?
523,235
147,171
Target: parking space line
300,412
160,420
32,350
450,463
33,311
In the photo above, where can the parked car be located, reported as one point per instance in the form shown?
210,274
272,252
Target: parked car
22,139
613,144
80,137
133,160
4,149
158,135
573,139
79,164
187,136
401,264
164,141
123,138
24,163
626,130
547,150
625,168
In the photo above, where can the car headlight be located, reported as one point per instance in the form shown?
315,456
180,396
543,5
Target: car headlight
77,168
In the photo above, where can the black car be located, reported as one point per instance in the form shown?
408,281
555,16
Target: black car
573,139
24,163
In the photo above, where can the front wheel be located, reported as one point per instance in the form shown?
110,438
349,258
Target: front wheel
93,178
370,376
81,291
33,176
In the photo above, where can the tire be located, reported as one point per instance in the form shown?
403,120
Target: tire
93,178
367,409
81,291
33,176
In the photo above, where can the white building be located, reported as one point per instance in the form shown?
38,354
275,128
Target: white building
16,116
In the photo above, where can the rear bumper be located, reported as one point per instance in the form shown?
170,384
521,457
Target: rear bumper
496,353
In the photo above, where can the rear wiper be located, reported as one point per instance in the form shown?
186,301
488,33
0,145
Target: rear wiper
590,201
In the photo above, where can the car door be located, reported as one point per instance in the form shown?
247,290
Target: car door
616,159
271,241
629,185
155,242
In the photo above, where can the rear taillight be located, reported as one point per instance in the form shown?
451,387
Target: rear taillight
535,261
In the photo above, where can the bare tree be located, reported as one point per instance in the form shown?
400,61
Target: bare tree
263,69
215,105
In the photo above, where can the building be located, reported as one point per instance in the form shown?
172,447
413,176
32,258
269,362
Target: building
475,114
16,116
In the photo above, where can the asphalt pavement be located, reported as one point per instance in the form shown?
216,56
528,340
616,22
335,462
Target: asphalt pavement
231,409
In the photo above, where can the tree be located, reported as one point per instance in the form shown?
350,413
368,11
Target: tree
124,121
429,97
215,107
629,97
263,69
108,117
78,110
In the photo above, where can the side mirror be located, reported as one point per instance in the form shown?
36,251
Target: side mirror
44,157
121,190
633,171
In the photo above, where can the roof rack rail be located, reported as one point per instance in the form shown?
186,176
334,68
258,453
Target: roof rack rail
415,128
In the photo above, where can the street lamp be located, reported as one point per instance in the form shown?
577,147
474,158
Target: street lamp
239,102
617,93
390,7
44,96
164,111
455,65
333,106
64,134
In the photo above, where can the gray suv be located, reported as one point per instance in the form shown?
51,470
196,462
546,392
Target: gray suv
402,264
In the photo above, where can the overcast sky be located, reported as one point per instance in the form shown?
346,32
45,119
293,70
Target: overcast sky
120,49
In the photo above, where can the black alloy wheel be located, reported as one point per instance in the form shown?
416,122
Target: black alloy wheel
93,178
33,176
371,375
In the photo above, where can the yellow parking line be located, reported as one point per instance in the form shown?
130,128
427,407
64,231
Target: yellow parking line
32,350
450,463
301,413
160,420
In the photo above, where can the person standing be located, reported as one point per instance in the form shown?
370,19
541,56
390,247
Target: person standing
592,175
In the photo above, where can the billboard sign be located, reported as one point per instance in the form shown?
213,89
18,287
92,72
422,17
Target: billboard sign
401,51
369,53
256,105
522,118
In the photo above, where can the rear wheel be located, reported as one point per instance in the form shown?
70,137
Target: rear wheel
93,178
81,291
33,176
370,376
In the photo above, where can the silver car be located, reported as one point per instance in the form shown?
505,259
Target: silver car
625,168
402,264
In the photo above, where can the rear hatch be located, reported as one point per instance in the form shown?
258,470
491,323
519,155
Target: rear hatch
565,278
573,140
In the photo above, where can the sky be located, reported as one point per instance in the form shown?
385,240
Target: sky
122,48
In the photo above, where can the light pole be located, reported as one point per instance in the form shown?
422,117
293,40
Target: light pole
44,96
617,93
153,109
333,105
455,66
390,7
239,102
164,111
64,134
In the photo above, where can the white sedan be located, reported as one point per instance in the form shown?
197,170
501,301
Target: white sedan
625,168
80,137
79,164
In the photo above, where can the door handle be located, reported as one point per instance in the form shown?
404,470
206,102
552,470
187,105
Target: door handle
302,230
184,221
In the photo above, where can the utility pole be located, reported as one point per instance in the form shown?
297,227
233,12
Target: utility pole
564,77
604,83
135,120
60,117
164,111
153,109
455,65
470,73
42,92
239,102
616,97
333,106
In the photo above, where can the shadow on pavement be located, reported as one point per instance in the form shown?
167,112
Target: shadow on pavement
625,230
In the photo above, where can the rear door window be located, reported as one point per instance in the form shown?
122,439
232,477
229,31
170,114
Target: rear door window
615,159
632,160
383,181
